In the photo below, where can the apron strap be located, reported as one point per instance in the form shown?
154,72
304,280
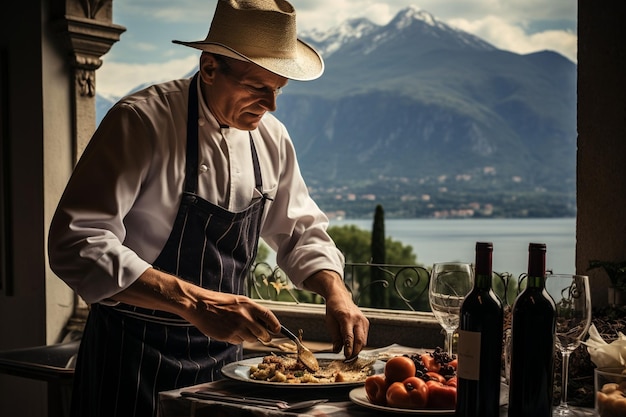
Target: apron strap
257,168
191,166
191,169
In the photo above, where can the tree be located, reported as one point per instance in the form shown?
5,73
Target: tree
262,253
378,298
352,241
355,244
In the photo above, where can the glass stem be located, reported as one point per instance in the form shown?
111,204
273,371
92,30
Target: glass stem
564,374
449,339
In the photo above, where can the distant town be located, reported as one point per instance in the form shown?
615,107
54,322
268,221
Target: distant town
459,196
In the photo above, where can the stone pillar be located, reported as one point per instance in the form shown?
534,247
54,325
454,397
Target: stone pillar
89,34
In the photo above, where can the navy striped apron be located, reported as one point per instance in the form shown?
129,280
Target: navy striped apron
128,354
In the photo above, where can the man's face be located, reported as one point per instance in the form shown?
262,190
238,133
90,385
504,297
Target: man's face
239,93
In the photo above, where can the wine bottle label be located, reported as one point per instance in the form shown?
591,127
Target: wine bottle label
468,349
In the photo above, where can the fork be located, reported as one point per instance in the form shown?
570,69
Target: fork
304,353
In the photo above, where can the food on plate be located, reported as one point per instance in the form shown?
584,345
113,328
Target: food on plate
376,389
410,393
441,395
287,369
415,381
611,400
399,368
430,363
435,376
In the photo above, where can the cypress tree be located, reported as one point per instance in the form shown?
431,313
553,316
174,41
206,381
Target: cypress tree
379,294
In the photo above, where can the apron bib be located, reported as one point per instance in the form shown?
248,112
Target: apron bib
129,354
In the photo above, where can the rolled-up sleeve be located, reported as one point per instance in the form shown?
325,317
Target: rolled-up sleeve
85,243
295,227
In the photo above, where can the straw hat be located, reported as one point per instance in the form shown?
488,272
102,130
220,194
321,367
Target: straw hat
262,32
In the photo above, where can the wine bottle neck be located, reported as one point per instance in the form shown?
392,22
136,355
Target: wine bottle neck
482,269
536,264
535,281
482,281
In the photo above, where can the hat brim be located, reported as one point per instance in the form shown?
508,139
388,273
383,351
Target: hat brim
306,66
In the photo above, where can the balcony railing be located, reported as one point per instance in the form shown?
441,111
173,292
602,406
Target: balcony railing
385,286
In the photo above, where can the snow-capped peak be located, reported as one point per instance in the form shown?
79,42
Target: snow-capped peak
353,30
331,40
412,13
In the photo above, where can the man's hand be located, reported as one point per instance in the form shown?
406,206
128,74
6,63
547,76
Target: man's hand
346,323
226,317
231,318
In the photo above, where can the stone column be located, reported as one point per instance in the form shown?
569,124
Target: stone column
89,34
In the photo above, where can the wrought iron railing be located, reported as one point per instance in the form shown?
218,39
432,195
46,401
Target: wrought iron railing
396,287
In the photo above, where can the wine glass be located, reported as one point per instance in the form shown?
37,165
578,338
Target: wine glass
573,317
450,282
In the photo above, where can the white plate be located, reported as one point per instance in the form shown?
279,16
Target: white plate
359,396
240,371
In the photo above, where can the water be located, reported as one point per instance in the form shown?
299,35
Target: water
442,240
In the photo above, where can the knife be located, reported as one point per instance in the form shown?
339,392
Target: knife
244,400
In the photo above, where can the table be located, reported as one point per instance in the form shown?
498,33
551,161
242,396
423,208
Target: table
173,404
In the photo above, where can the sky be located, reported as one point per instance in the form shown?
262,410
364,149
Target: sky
146,54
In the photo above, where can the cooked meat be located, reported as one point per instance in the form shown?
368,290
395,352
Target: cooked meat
287,369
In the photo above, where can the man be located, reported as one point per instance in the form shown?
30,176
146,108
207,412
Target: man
160,221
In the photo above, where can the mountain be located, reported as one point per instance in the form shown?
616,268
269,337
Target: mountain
428,120
418,111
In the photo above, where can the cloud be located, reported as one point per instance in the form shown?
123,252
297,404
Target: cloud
513,37
503,23
166,11
323,14
145,46
521,26
564,42
115,79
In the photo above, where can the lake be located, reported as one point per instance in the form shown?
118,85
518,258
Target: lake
438,240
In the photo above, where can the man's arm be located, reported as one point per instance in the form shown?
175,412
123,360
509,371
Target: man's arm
227,317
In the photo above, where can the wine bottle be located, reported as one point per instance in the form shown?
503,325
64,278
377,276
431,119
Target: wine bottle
480,343
532,337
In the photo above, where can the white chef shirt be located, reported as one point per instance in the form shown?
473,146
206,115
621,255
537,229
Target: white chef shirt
119,205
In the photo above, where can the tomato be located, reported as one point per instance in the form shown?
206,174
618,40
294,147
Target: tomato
418,391
376,389
430,363
452,382
410,393
454,363
441,396
436,377
399,368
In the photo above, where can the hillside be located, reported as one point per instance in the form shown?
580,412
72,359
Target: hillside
416,112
